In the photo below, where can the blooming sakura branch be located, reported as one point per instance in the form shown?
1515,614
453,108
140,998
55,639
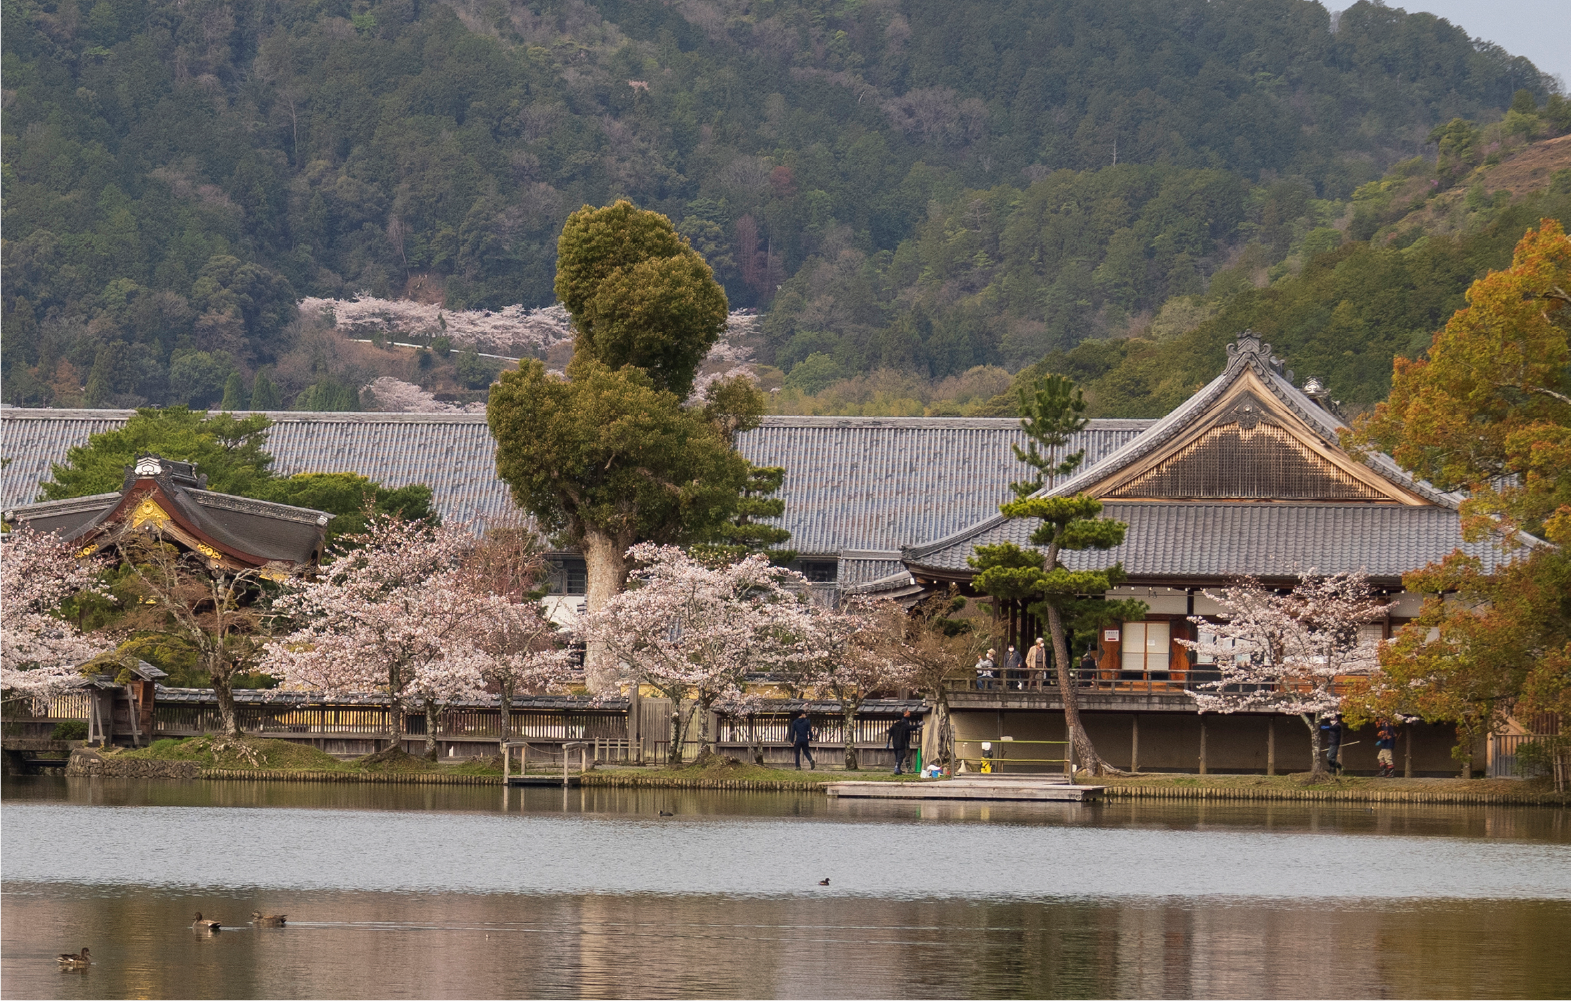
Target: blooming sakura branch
1284,653
39,651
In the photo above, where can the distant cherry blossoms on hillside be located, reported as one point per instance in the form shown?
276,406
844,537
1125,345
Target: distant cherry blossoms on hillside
512,331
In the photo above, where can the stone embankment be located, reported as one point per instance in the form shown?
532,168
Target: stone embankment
90,763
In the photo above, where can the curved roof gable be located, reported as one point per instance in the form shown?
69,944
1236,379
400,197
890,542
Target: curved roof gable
1248,435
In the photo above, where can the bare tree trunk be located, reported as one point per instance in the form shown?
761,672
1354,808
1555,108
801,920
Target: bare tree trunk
1084,750
605,558
505,727
673,754
704,750
848,725
229,719
430,730
1317,768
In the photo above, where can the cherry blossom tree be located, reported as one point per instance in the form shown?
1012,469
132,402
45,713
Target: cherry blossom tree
1283,653
694,632
391,615
845,655
39,651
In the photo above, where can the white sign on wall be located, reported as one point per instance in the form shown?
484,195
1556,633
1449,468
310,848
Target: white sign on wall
1110,636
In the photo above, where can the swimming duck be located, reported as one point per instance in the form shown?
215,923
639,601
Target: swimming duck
74,961
267,920
824,881
204,925
665,814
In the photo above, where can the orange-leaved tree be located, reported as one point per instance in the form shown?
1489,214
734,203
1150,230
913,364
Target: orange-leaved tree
1489,413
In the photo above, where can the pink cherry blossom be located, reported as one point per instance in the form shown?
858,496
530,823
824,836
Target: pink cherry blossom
40,652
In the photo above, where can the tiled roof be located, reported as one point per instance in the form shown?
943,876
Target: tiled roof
880,483
1181,539
851,483
1248,352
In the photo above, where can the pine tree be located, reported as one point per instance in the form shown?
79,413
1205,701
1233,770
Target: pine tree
744,534
1067,599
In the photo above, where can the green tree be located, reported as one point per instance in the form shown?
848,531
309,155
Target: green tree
230,451
234,393
1051,411
605,459
744,532
264,395
1489,412
351,499
638,293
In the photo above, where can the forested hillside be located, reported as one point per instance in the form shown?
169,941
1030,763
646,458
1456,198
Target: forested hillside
897,187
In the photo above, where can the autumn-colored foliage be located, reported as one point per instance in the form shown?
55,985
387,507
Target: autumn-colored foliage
1489,412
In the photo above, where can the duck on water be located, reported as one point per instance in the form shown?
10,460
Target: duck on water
74,960
267,920
202,924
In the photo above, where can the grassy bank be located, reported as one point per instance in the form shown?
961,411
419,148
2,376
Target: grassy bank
1351,788
261,759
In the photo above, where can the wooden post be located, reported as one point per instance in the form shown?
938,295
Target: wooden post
1271,746
1407,754
1202,745
507,761
1134,745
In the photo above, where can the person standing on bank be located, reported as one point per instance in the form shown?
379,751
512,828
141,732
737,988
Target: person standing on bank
1385,749
900,739
801,733
1036,663
1331,730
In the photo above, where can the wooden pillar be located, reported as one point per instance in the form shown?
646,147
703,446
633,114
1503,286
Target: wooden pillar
1407,754
1134,745
1271,746
1202,745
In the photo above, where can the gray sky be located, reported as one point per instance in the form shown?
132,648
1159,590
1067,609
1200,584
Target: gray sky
1537,29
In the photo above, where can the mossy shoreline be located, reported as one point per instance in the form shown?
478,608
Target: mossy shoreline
263,760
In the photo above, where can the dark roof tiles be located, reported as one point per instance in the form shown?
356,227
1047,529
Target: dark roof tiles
1206,540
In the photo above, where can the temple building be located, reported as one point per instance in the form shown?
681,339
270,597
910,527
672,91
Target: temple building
1246,479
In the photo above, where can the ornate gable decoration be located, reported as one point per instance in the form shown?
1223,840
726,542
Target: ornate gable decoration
1243,442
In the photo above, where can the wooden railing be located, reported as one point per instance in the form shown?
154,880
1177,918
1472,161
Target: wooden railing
774,728
458,724
1133,682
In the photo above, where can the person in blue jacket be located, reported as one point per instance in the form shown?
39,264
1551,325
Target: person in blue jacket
801,733
1331,734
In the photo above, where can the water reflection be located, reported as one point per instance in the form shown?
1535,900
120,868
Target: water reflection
414,891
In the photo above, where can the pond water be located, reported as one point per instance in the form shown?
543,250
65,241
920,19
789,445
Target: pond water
451,891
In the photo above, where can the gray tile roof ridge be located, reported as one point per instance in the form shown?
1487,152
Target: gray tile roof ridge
248,505
981,423
67,505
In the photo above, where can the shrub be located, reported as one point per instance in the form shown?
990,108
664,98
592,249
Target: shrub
71,729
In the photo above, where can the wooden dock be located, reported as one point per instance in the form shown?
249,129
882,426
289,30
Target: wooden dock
987,788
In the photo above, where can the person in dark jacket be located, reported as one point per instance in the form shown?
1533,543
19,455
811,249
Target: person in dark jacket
900,739
801,733
1013,664
1331,732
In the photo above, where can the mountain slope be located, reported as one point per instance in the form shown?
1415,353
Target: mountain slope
177,174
